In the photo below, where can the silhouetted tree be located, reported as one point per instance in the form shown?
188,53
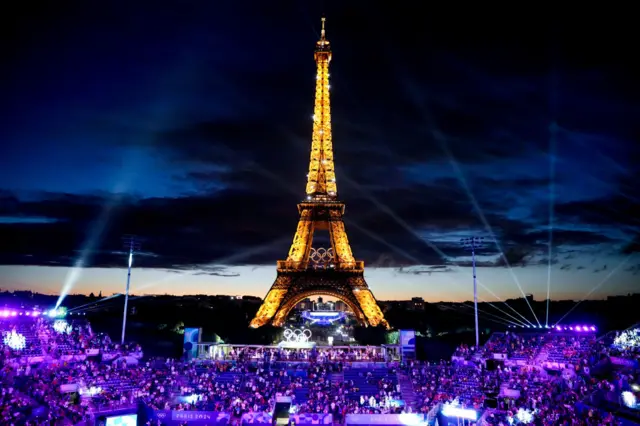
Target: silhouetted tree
370,335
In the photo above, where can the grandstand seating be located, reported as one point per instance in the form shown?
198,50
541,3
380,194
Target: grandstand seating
315,386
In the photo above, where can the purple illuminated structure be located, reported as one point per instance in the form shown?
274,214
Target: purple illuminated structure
323,317
576,328
13,313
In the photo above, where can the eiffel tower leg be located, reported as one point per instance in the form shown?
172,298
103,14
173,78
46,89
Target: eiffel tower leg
272,301
366,302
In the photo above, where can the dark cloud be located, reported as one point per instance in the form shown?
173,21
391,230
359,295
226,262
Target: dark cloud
568,237
619,211
253,226
411,94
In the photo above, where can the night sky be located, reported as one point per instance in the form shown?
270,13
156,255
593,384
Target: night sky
189,124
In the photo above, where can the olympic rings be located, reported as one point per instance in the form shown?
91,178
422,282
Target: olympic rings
297,335
321,255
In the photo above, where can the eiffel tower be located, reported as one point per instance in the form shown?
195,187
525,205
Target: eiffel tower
310,271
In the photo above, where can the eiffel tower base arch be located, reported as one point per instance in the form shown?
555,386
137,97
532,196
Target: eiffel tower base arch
291,287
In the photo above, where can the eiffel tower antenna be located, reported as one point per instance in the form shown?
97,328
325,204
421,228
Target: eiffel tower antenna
309,271
321,179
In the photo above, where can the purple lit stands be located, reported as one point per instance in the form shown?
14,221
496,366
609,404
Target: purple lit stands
569,328
10,313
576,328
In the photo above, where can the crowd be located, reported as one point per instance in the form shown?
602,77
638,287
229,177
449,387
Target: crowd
626,343
52,338
318,381
368,354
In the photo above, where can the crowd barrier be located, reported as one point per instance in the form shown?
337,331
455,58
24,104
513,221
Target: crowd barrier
30,360
510,393
462,361
385,419
73,358
346,364
624,362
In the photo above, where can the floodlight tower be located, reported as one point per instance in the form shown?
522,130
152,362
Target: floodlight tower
130,243
473,244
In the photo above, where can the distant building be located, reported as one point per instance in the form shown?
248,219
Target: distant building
321,305
417,303
305,305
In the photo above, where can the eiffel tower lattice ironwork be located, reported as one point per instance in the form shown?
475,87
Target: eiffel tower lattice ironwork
312,271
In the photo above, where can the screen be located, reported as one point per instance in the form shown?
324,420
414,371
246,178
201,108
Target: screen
128,420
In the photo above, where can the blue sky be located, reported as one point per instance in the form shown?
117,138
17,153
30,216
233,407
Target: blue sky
191,128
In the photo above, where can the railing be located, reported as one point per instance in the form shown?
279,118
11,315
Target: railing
112,406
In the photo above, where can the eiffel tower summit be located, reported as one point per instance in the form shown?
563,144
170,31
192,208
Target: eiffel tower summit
309,270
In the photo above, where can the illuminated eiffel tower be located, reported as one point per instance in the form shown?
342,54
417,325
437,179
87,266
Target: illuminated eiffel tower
310,271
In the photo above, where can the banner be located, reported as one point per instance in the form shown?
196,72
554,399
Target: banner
407,343
256,418
35,359
200,416
69,388
510,393
73,358
175,418
312,419
408,338
110,356
385,419
192,336
366,365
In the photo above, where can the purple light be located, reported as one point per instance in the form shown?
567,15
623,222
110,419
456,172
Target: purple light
5,313
28,314
14,313
593,328
571,328
558,328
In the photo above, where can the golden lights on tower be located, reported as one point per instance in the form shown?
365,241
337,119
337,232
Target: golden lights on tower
321,180
336,273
